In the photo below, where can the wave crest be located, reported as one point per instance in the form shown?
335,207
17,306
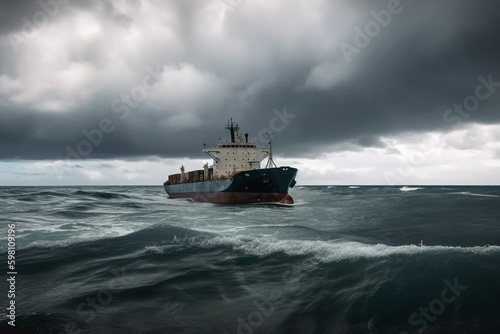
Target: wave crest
323,251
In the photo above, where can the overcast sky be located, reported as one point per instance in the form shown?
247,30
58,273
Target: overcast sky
356,92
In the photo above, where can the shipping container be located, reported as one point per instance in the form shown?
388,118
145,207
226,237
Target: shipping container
174,178
198,175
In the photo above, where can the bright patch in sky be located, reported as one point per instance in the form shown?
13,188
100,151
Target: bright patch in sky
423,159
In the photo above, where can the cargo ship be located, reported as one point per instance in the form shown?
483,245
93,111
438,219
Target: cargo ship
236,176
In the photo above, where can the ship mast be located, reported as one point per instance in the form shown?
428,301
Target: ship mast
270,161
234,128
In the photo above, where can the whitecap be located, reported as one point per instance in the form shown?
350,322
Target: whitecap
331,251
405,188
474,194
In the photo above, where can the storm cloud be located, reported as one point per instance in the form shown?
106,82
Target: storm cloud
163,77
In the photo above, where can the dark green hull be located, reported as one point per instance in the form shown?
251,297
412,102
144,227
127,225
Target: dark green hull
268,185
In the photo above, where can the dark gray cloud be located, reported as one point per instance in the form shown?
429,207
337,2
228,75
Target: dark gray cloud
254,61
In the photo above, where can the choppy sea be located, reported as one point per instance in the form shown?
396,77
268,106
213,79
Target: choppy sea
341,260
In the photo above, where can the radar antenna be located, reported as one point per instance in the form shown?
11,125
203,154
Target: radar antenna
234,128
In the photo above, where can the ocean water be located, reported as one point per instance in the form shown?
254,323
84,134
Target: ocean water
341,260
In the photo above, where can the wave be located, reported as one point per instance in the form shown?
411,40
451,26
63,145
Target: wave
153,233
323,251
49,193
405,188
166,238
35,196
468,193
32,196
100,194
156,239
353,187
36,193
74,226
75,213
334,252
27,199
131,205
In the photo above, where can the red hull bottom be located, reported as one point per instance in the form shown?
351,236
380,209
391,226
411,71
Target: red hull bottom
237,198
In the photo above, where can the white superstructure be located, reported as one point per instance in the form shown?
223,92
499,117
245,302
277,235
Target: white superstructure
235,156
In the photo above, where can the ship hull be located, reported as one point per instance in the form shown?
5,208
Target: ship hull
268,185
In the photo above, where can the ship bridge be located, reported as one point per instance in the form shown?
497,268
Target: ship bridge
237,155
